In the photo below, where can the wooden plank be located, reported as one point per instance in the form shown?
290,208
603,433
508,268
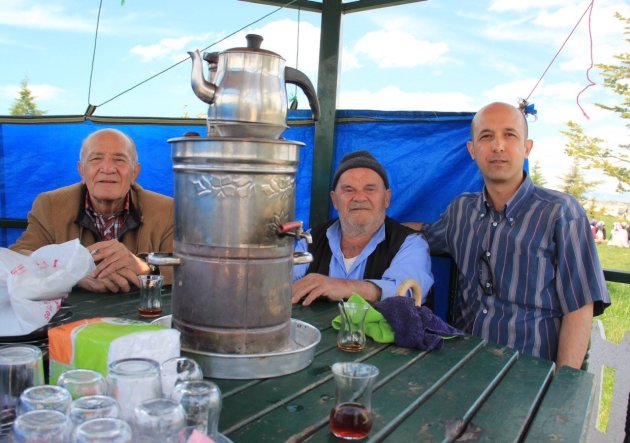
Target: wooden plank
319,314
446,413
310,410
275,392
505,415
564,412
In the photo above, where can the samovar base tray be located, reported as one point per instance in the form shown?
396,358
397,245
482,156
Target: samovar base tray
297,355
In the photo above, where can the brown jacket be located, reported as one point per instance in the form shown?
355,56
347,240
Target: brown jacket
53,220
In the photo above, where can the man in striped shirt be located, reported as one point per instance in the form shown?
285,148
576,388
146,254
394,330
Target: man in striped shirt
529,274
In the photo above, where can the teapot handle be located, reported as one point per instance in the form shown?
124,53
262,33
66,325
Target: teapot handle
295,77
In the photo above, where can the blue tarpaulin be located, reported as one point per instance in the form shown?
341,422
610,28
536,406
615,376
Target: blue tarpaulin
424,153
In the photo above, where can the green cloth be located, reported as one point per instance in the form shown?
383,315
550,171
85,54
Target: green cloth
376,327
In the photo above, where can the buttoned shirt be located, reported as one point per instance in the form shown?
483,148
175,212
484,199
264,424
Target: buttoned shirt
520,269
111,227
411,261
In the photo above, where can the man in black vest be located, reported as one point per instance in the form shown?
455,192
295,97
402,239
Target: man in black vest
362,251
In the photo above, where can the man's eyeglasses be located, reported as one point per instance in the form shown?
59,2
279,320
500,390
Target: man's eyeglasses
486,276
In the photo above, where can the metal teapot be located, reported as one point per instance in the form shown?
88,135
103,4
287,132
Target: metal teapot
246,92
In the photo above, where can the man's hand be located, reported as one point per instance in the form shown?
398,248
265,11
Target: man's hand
314,286
117,264
106,284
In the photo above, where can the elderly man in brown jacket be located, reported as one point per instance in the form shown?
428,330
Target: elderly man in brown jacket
108,212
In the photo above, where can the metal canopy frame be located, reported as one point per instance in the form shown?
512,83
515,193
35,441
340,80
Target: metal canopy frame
346,7
327,83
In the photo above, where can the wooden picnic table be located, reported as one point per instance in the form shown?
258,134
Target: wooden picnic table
469,389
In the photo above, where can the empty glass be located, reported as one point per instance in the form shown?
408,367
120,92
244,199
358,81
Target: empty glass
45,397
178,369
103,430
21,367
91,407
42,426
351,335
159,420
131,381
201,401
82,382
351,417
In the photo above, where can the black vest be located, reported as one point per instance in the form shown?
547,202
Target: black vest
377,262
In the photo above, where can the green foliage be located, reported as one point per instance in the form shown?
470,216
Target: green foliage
536,175
612,161
25,103
616,78
575,184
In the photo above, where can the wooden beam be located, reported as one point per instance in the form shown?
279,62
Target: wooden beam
327,84
366,5
304,5
347,7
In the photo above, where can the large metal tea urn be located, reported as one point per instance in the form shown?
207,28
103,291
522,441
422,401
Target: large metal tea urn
234,233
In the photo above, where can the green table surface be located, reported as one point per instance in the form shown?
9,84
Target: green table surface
469,390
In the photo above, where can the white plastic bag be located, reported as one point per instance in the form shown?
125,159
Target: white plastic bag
31,287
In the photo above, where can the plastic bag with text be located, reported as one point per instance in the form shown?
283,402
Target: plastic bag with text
32,287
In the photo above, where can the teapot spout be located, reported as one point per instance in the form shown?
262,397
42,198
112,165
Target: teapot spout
201,87
300,79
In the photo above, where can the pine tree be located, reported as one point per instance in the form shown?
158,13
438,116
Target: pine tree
613,161
536,175
575,184
25,103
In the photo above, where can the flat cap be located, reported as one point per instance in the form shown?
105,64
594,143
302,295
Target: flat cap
360,159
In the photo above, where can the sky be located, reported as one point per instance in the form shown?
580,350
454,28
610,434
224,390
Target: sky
434,55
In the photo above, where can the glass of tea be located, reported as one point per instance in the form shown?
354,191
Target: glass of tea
351,418
351,335
150,295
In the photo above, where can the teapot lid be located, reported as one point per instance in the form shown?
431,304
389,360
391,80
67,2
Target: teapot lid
253,45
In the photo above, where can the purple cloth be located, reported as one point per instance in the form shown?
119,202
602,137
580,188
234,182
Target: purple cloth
415,327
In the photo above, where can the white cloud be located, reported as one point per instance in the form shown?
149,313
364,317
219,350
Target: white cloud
510,92
511,5
40,15
407,52
391,98
40,92
166,48
281,37
349,60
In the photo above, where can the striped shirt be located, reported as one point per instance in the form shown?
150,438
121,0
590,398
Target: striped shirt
521,269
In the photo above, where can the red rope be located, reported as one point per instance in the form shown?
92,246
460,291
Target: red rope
588,8
590,82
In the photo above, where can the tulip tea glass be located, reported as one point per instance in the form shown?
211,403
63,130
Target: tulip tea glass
176,370
92,407
159,420
43,425
351,418
21,367
51,397
131,381
150,295
101,430
351,335
202,402
82,382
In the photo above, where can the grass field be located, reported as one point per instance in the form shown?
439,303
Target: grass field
616,319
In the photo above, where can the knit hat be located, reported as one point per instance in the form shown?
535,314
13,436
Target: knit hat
360,159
